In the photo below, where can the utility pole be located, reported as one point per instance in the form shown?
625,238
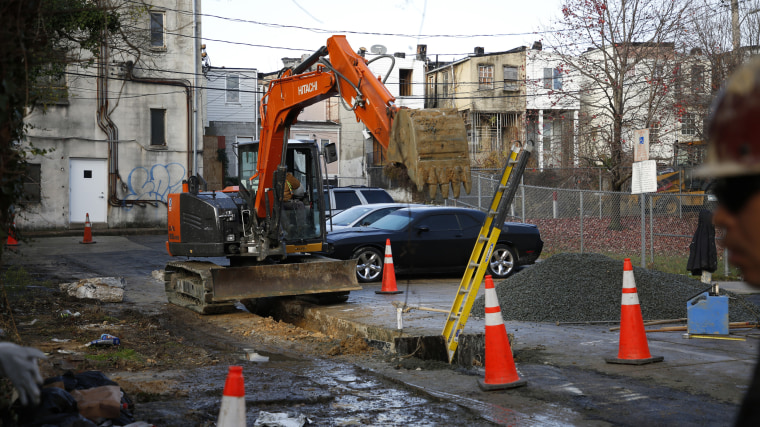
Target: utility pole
735,25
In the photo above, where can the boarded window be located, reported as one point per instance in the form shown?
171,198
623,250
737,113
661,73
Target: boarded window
510,78
157,126
405,82
157,29
233,88
485,77
32,187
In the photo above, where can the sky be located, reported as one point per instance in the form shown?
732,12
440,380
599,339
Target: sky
257,34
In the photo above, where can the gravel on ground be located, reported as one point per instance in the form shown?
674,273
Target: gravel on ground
572,287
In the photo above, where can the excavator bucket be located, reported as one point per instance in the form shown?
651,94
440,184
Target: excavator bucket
432,144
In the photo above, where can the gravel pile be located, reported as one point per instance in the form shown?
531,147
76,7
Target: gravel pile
587,287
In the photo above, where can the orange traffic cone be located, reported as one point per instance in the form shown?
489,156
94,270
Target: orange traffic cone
389,275
12,241
634,349
232,412
501,372
87,231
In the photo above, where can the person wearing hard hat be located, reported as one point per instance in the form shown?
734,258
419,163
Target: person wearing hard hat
733,160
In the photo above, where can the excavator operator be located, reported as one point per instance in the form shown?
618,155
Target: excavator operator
733,160
293,208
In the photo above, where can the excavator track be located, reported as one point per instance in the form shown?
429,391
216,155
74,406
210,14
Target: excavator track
208,288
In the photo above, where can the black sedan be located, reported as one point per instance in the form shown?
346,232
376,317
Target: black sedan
432,239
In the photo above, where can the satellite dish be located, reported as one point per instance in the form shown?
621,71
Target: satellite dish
378,49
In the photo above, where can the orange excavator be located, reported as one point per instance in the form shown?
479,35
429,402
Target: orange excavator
271,244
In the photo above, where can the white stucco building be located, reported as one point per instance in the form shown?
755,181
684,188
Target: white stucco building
127,133
552,104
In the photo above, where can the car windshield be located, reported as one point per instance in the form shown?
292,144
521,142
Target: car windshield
350,215
394,221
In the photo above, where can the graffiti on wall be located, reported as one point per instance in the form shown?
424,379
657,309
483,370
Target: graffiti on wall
155,183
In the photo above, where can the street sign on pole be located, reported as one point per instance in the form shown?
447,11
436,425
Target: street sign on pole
641,145
644,177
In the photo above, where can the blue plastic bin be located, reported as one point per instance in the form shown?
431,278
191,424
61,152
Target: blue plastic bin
707,314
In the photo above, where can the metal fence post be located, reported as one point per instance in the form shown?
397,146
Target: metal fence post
651,231
480,191
581,198
643,231
522,191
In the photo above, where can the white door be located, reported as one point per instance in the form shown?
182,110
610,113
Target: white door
88,185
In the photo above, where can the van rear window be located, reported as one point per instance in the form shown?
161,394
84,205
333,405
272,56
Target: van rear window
375,196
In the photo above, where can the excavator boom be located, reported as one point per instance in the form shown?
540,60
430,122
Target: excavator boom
430,143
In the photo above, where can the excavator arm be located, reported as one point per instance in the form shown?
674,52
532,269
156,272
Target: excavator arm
431,144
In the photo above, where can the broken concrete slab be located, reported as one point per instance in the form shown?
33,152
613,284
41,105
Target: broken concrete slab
106,289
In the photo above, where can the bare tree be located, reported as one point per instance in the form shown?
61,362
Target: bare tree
626,54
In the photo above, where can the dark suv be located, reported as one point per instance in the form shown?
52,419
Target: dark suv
338,199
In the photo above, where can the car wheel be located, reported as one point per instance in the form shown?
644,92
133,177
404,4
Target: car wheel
502,262
369,264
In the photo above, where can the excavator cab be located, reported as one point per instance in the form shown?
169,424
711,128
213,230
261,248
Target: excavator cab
300,218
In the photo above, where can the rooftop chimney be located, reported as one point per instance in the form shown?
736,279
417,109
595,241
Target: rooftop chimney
479,51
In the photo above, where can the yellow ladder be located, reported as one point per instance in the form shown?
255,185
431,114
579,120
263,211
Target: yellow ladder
489,235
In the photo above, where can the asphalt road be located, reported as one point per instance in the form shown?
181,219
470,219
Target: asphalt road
701,381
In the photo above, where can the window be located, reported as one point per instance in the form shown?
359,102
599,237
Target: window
510,78
51,87
431,85
698,78
466,221
630,70
688,124
548,76
32,187
485,77
404,82
547,134
557,79
445,84
346,199
157,29
678,87
441,222
376,196
157,126
654,133
233,88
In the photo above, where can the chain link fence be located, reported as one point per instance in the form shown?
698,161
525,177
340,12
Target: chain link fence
654,230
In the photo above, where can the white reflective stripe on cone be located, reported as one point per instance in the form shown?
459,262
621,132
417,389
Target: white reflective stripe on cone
630,299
